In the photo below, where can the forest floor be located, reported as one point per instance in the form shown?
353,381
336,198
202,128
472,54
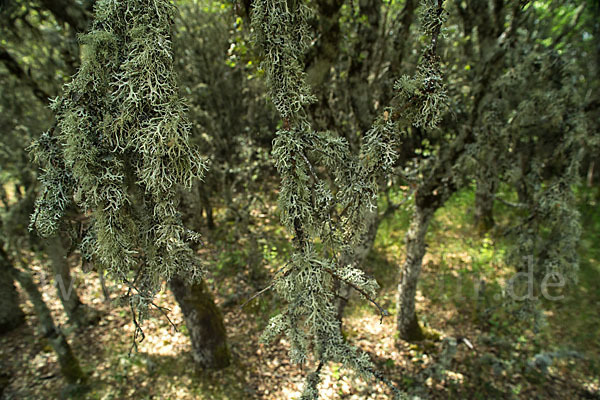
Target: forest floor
503,352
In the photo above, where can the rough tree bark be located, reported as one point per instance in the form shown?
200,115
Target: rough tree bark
204,323
69,365
79,314
408,324
11,315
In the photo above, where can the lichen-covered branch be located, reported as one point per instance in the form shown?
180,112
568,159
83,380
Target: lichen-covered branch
309,204
122,142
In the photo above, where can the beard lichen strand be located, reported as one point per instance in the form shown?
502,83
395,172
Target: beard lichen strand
124,139
310,319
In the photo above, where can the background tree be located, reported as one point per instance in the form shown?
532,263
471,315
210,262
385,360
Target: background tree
69,365
442,158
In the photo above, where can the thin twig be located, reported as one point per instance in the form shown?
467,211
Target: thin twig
525,222
319,367
510,203
255,295
380,377
268,287
382,311
163,312
394,206
138,329
345,299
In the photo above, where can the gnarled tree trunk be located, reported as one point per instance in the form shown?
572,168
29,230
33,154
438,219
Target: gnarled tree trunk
408,324
204,323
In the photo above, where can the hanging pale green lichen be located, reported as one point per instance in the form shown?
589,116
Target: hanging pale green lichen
420,100
123,136
332,211
308,203
57,185
280,29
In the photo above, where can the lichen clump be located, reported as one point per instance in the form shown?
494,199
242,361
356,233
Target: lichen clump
120,150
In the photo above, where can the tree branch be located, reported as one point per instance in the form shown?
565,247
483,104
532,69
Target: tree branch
382,311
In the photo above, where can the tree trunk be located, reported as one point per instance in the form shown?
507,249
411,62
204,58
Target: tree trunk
408,324
69,365
11,315
204,323
79,314
484,204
